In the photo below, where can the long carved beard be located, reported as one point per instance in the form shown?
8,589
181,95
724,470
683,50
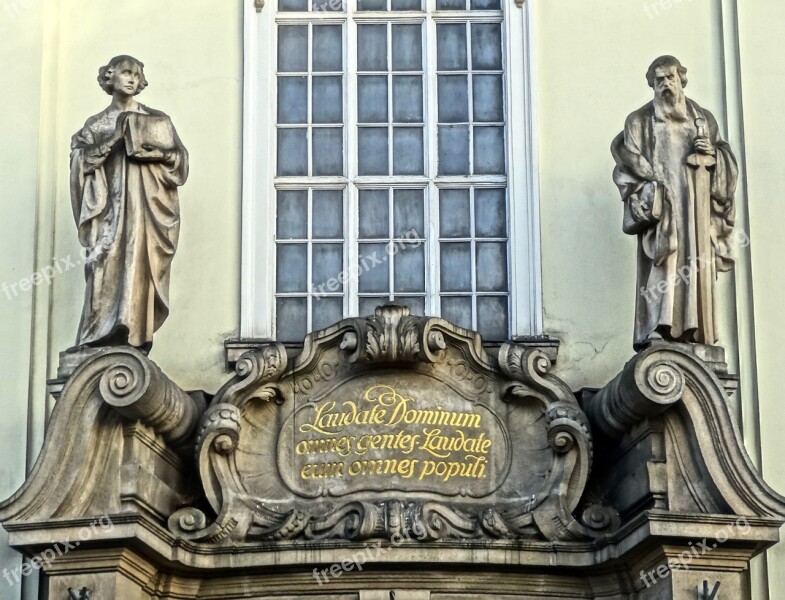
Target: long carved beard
671,106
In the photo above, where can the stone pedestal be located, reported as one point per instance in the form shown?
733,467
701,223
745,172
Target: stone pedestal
642,490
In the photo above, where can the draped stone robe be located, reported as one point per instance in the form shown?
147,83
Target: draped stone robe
128,217
670,263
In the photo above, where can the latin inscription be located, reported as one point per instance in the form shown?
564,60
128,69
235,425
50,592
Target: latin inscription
385,433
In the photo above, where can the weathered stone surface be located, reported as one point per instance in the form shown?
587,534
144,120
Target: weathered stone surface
386,424
671,501
677,178
126,165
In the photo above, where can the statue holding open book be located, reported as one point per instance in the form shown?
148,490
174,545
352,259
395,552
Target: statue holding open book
126,165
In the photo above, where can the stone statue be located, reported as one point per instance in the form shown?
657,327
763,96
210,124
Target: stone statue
677,179
126,165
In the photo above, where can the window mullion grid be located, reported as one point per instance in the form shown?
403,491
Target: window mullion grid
352,212
309,261
390,235
431,136
309,102
390,108
473,256
470,94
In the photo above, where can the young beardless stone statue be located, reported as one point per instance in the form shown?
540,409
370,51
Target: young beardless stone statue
126,165
677,179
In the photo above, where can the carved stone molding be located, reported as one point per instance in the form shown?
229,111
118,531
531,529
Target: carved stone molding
669,409
387,424
115,430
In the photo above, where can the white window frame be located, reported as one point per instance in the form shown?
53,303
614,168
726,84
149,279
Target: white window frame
257,304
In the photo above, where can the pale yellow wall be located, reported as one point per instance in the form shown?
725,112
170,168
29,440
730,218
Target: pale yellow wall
193,58
589,74
591,60
590,63
20,65
762,31
50,51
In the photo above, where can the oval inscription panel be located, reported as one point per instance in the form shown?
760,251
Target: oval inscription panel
379,433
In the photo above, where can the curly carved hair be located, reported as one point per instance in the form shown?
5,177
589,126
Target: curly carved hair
667,61
105,73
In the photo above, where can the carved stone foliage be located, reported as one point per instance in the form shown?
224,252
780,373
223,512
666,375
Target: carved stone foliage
389,424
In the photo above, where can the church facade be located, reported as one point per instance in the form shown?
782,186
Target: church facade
364,313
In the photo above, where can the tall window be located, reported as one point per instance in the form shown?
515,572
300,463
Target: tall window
391,162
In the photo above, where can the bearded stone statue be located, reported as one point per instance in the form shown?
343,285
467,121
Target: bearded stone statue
677,179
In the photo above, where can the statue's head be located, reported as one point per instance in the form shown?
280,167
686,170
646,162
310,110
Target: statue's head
124,75
667,77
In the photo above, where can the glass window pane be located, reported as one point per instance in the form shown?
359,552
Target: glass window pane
371,4
292,100
327,5
490,213
327,99
372,99
373,268
409,213
416,304
373,158
327,214
489,150
408,151
327,265
291,316
406,4
368,304
486,46
453,99
409,272
492,267
293,48
292,5
326,311
407,99
292,216
492,320
372,47
454,213
486,5
406,48
456,267
488,98
328,151
327,47
292,152
451,51
457,310
454,150
291,272
374,214
450,4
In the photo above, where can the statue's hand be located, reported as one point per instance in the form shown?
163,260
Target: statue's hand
641,210
704,146
148,154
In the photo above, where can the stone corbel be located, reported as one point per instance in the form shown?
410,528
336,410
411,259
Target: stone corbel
667,394
117,427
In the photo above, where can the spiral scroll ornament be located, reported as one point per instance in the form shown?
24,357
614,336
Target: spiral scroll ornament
139,391
664,381
124,383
